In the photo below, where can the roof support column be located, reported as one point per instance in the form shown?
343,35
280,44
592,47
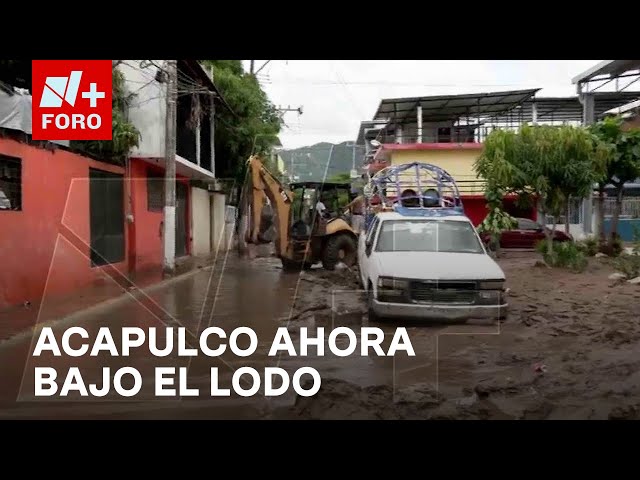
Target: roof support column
534,113
419,115
588,109
588,118
398,133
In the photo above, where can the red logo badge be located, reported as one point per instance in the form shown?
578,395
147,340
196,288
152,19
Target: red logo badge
72,99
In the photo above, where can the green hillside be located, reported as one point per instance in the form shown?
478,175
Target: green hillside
321,161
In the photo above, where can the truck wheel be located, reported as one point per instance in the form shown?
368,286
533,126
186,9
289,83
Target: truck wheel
340,247
373,317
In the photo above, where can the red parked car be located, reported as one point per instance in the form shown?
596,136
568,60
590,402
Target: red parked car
526,235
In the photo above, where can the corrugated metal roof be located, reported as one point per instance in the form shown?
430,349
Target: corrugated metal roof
607,67
451,107
565,109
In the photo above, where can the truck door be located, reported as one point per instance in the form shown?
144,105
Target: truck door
366,238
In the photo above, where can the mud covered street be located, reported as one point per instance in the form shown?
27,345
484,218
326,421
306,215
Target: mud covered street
567,351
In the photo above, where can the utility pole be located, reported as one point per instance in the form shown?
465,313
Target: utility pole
288,108
169,232
253,70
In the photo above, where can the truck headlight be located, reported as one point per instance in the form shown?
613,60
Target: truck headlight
391,289
492,285
389,283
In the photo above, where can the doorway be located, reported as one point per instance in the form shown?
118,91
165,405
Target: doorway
106,217
181,219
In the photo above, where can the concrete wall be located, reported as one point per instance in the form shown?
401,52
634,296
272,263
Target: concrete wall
200,221
55,201
217,222
429,131
148,110
145,231
626,228
229,227
458,162
632,123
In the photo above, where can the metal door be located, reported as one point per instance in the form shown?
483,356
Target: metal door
106,217
181,219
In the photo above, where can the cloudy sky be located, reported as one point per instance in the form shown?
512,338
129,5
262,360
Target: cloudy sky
336,95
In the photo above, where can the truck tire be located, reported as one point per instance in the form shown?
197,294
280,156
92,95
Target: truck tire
373,317
340,247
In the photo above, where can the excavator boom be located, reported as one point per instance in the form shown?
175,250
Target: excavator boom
264,184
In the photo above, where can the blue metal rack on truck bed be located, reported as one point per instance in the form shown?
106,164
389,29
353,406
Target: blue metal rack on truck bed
419,189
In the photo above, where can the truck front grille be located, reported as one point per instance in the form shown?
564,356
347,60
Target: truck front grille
444,292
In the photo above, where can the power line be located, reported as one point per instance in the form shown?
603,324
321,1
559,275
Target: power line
378,83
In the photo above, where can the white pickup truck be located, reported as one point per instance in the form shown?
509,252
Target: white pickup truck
429,264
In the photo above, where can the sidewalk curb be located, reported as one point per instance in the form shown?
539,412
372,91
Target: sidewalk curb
123,297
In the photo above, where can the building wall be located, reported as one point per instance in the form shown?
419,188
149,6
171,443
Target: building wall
627,228
429,131
145,230
475,208
632,122
148,110
55,200
218,241
457,162
200,221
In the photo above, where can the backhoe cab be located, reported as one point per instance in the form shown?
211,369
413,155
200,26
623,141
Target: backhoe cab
305,234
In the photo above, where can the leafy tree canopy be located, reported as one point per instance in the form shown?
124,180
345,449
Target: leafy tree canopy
125,135
251,127
549,163
622,151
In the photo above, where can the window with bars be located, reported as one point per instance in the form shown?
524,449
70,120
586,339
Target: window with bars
155,191
10,183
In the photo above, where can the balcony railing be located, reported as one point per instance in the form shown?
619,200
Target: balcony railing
454,135
471,186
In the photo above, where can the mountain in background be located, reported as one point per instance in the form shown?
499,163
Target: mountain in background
321,161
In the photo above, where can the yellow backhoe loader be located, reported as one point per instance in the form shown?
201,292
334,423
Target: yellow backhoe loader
303,236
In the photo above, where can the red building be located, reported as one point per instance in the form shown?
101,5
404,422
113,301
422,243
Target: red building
66,219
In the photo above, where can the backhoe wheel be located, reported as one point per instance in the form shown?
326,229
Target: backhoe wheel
340,247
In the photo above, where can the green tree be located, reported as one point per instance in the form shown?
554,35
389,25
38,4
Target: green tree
545,163
497,220
622,165
125,135
250,126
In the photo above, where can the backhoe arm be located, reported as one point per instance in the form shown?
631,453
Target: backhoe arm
263,183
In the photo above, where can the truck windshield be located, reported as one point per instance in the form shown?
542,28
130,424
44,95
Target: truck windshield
428,236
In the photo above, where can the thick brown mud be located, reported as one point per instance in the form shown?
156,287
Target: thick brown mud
569,350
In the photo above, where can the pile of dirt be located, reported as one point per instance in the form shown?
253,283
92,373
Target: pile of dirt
328,298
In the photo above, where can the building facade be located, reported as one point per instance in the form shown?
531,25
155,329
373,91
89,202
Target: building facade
449,130
70,221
